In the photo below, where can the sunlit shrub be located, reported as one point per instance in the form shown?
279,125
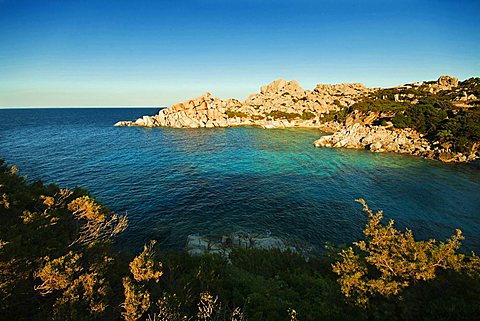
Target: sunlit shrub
388,260
144,268
95,223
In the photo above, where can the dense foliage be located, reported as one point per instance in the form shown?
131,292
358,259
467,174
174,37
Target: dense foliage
233,114
459,129
338,115
435,115
57,263
277,114
307,115
388,261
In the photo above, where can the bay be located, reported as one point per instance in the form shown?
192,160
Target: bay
175,182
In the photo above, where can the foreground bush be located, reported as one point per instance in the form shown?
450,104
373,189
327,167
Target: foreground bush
57,263
389,261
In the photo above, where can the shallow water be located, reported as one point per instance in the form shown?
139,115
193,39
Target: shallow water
175,182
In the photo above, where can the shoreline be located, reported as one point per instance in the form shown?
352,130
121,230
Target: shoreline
328,108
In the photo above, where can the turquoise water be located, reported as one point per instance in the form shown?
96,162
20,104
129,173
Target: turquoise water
175,182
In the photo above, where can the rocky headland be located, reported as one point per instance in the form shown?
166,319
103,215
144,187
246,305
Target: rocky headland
281,104
421,118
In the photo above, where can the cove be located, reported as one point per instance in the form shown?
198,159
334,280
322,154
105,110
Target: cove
176,182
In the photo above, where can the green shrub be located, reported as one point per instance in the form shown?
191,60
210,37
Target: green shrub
425,117
233,113
380,105
337,115
306,115
283,115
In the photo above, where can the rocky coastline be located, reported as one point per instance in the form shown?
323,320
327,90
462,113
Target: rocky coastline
198,245
284,104
381,139
281,104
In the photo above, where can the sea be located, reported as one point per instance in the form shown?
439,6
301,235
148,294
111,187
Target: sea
175,182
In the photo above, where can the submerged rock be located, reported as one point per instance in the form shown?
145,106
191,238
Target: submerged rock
199,245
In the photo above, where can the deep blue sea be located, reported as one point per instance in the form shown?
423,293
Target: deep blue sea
175,182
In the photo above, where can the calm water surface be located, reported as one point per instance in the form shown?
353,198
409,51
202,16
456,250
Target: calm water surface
175,182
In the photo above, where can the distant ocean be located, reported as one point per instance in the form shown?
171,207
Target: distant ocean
175,182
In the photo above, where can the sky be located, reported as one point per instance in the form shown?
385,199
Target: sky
156,53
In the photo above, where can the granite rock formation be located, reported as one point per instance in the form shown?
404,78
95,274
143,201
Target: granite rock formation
280,104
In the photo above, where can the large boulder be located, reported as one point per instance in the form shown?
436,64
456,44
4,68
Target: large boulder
447,82
274,86
140,122
443,83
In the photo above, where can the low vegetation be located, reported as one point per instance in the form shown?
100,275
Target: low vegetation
307,115
233,114
277,114
338,115
57,263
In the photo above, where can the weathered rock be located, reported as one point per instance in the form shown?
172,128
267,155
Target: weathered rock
448,157
443,83
274,87
375,147
140,122
447,82
275,101
199,245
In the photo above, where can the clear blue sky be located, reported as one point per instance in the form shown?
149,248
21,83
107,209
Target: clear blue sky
152,53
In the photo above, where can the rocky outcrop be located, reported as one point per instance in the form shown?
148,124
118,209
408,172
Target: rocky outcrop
280,104
376,139
447,82
204,111
387,139
199,245
443,83
289,97
285,104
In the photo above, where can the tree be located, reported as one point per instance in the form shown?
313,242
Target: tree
144,268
